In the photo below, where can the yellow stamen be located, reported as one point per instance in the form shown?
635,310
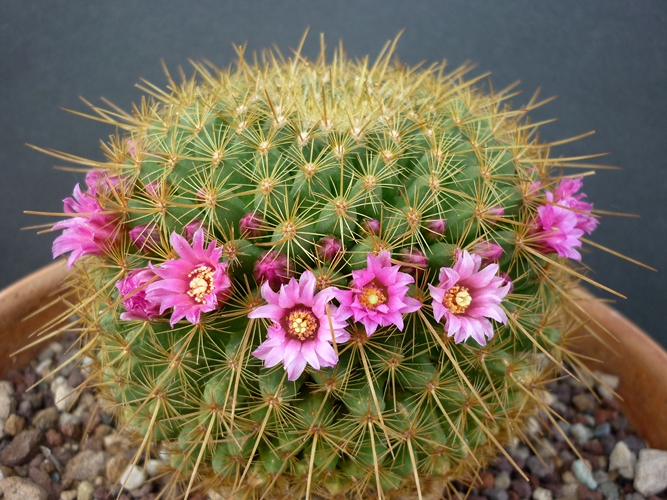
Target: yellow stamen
457,299
372,296
201,284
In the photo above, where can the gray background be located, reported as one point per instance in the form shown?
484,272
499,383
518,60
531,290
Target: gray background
605,59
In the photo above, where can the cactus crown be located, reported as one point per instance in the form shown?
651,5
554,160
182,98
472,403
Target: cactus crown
414,239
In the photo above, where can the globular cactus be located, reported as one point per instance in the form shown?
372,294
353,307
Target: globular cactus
324,278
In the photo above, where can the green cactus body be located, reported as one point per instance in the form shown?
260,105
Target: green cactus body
316,149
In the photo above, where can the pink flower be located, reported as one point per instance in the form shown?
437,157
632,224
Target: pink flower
378,295
133,290
566,218
329,247
194,284
272,267
489,252
302,333
93,232
251,225
556,230
146,237
467,295
565,197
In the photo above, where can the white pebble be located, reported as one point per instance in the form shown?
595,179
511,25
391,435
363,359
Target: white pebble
6,387
65,397
44,368
134,477
581,433
503,480
542,494
153,467
623,460
68,495
57,382
546,397
651,472
7,404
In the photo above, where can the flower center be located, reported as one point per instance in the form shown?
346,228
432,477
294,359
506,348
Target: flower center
372,296
457,299
301,324
201,283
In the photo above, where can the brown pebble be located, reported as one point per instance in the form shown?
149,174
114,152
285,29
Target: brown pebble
15,424
514,495
22,448
21,470
71,431
6,471
43,480
103,430
90,422
486,480
54,438
94,444
601,415
39,458
579,418
584,493
594,447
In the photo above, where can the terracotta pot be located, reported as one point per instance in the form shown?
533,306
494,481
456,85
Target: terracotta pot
639,361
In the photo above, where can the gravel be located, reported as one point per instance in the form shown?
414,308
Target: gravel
56,445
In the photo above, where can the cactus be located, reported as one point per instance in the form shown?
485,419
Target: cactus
323,278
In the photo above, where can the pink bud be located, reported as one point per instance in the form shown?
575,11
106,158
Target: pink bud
146,237
329,247
372,226
415,261
251,225
191,228
271,266
489,252
435,229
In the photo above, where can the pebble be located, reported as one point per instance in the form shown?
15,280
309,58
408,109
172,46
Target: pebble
134,477
22,448
7,405
85,491
68,495
602,430
14,424
522,487
86,465
65,397
115,467
584,402
610,490
541,470
503,480
19,488
46,419
570,490
542,494
154,467
496,494
581,433
583,473
623,460
651,472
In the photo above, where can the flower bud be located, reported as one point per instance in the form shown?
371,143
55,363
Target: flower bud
272,266
251,225
435,229
415,262
146,237
328,248
372,226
